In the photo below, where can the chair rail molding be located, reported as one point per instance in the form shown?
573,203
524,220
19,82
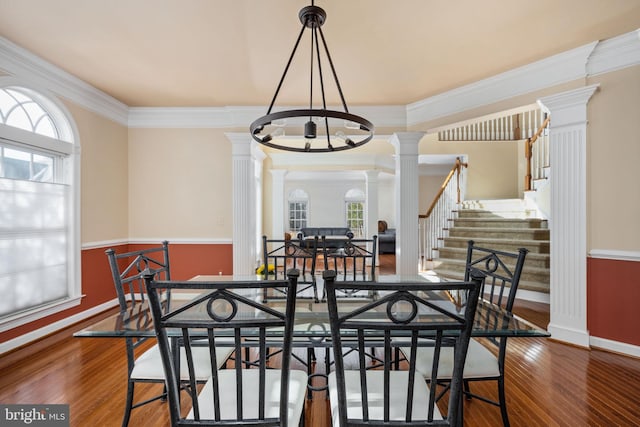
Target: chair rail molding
615,255
567,152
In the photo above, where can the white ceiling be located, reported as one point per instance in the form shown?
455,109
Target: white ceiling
232,52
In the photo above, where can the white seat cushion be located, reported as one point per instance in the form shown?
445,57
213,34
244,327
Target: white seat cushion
227,386
148,365
480,363
375,386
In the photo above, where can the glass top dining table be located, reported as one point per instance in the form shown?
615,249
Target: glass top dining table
312,318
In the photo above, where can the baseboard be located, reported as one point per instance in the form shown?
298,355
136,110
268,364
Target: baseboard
534,296
615,346
579,338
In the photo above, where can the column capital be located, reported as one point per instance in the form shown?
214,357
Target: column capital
243,145
568,108
406,143
371,175
240,143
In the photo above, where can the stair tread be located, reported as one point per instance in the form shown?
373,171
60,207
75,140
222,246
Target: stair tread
500,229
524,284
504,224
463,251
504,219
462,263
496,239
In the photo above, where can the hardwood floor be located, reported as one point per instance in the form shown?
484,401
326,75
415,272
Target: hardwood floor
548,384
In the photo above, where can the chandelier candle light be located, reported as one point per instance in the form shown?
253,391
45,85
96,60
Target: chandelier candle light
267,130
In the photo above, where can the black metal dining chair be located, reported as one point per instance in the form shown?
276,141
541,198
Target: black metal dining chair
414,314
143,358
247,394
502,271
353,259
279,256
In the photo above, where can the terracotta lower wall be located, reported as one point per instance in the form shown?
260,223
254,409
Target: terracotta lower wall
613,293
187,260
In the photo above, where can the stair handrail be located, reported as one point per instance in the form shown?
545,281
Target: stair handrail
456,169
528,151
433,225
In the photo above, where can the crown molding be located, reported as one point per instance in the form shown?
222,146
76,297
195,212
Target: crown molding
22,64
192,117
557,69
230,117
591,59
615,53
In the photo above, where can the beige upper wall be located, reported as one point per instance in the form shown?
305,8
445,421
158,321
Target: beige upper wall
493,165
104,177
428,188
180,184
613,155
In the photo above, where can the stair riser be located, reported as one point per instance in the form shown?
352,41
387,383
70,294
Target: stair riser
487,223
507,246
524,285
485,214
461,255
505,225
530,276
512,234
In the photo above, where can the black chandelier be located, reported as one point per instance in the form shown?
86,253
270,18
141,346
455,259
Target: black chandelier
267,130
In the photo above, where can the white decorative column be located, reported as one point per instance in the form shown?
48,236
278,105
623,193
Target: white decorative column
407,190
277,203
371,196
258,160
244,204
568,218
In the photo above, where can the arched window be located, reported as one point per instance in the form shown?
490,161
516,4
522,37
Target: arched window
39,244
354,210
298,209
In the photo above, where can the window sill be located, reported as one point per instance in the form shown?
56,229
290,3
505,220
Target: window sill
16,320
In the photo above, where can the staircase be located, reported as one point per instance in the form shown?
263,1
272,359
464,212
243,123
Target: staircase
499,224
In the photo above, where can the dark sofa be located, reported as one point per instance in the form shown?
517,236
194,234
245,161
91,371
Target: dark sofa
335,235
387,241
386,238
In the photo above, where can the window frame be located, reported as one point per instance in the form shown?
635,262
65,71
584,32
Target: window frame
356,196
357,231
296,197
66,151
